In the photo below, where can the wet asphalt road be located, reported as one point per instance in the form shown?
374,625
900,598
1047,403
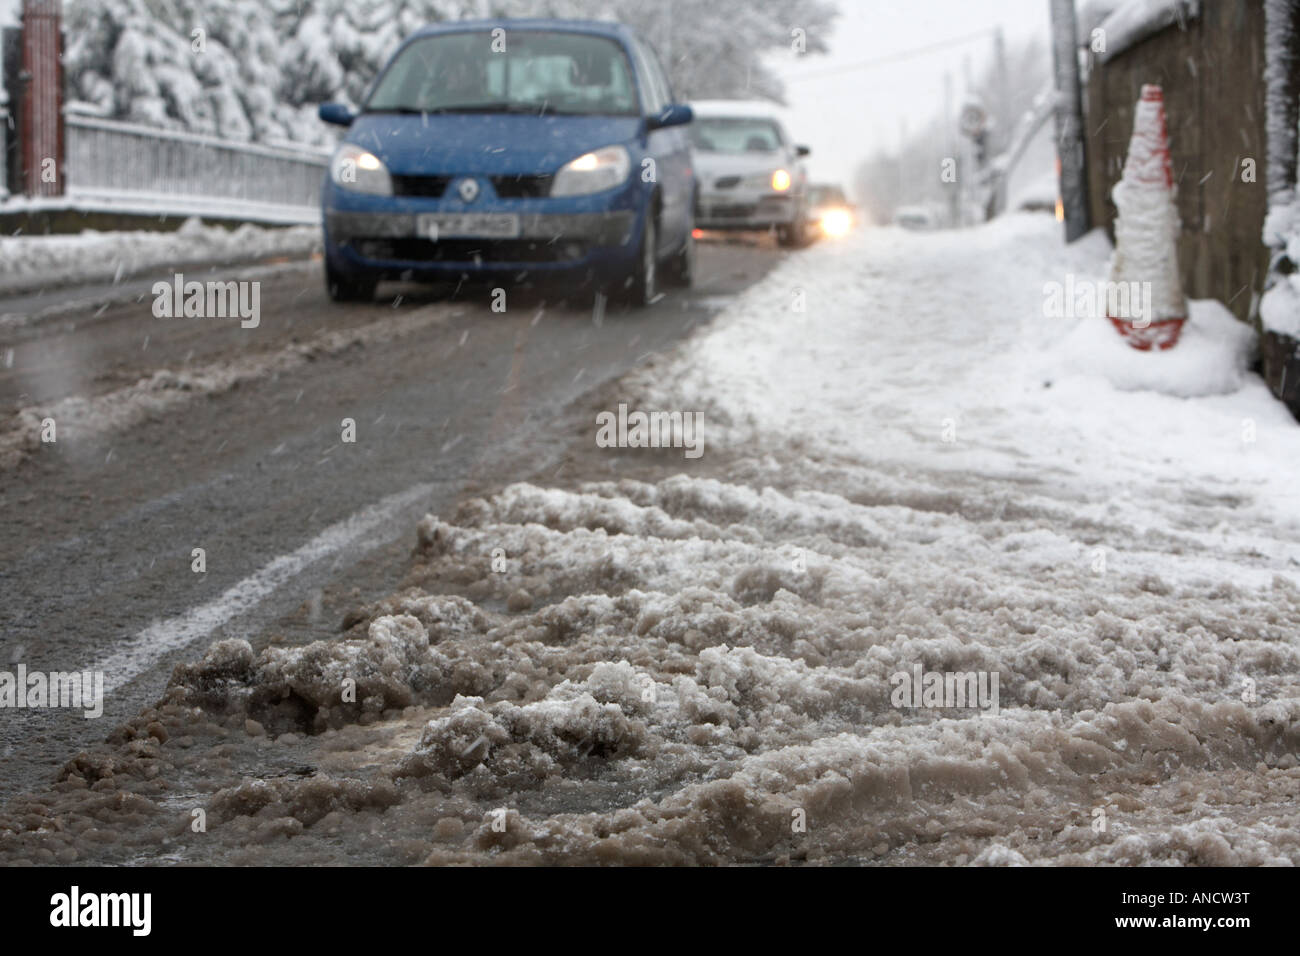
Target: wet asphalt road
98,529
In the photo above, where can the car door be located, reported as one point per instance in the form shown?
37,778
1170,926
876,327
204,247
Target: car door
669,150
682,168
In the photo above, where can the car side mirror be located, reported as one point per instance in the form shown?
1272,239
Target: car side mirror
802,151
336,113
676,114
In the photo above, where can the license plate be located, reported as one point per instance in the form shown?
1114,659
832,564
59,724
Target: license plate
467,225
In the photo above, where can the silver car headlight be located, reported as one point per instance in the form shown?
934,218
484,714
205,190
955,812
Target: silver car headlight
593,172
360,170
778,180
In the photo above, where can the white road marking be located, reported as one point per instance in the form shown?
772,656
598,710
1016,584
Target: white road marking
139,653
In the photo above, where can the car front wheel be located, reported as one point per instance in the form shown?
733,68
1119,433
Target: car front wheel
643,287
345,288
794,235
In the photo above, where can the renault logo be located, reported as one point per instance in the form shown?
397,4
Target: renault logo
468,189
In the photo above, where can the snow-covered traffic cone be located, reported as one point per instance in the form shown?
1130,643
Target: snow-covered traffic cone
1146,260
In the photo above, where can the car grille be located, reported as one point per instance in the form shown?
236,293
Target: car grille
522,187
471,250
727,182
427,187
507,187
734,211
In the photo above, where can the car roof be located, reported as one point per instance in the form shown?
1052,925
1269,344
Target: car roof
605,28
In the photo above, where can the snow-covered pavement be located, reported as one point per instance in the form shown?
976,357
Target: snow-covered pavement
908,469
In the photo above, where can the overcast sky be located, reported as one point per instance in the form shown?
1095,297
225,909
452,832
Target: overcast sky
843,117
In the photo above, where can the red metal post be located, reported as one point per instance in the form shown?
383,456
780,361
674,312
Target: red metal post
41,109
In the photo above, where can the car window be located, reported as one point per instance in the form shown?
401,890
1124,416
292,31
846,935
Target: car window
652,91
660,75
460,72
715,134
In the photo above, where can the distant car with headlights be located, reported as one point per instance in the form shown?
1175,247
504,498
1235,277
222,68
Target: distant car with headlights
830,210
750,171
518,148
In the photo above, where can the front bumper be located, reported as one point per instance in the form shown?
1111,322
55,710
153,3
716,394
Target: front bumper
390,244
733,210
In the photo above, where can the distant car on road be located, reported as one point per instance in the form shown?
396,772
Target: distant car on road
750,172
915,217
830,210
513,147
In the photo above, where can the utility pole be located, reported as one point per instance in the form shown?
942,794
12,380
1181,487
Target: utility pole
904,188
1069,119
1002,108
950,144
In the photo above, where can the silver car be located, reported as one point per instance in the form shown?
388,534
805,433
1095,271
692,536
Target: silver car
749,171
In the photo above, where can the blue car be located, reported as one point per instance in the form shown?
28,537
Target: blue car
513,149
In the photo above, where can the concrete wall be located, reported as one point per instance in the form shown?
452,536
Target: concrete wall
1212,74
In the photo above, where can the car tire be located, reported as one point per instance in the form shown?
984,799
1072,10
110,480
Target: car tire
343,288
793,236
680,269
643,285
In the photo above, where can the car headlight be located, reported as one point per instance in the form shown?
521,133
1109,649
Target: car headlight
837,222
593,172
360,170
778,180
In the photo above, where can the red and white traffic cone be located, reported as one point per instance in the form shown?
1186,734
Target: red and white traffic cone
1146,259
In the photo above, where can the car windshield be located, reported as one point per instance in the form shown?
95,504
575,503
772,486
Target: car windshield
828,195
519,71
735,135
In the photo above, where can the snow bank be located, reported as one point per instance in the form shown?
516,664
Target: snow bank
34,261
1211,358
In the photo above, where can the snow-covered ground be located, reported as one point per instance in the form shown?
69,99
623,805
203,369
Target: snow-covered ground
906,466
30,262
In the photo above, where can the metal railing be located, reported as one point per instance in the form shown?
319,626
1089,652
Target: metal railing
110,159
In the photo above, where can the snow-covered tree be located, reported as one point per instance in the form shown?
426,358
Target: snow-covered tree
257,69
